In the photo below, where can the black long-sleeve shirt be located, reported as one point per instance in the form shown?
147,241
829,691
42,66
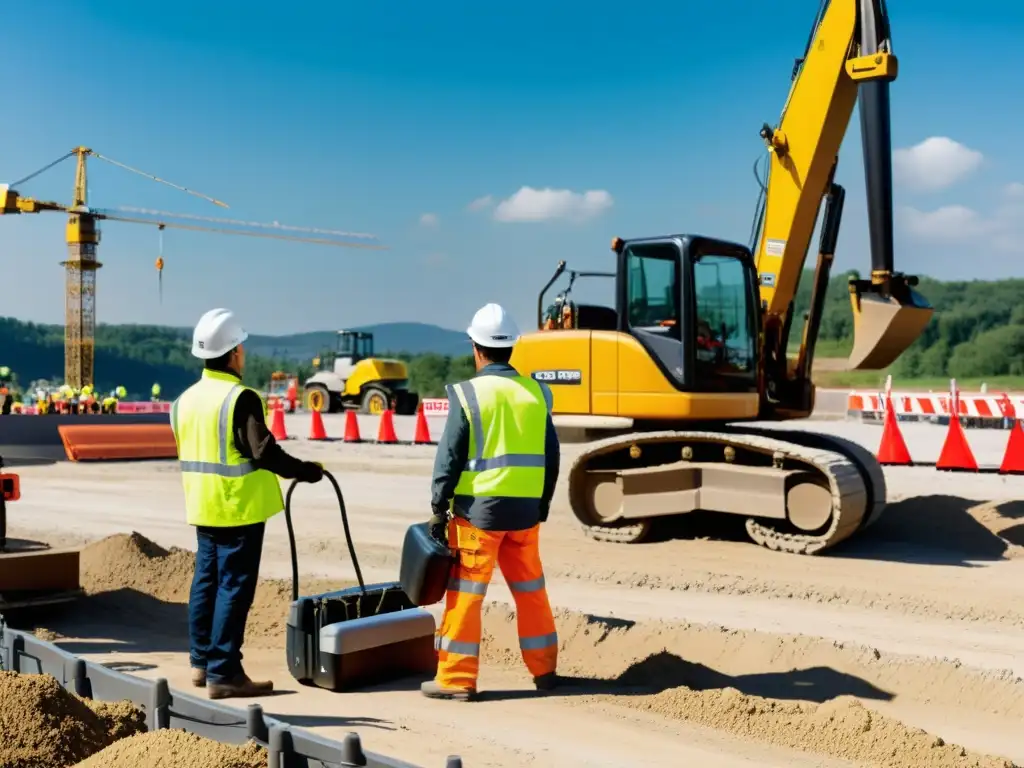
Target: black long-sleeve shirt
453,453
253,438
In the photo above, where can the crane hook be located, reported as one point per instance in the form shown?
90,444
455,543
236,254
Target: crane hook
160,264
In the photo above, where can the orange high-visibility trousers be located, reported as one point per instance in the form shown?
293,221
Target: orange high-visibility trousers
517,553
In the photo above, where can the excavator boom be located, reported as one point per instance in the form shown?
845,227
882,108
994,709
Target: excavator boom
849,56
696,346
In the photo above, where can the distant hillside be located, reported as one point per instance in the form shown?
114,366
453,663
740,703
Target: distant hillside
388,338
136,356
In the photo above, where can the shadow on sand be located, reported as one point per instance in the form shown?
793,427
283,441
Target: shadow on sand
925,530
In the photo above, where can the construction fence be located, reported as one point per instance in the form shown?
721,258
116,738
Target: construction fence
287,747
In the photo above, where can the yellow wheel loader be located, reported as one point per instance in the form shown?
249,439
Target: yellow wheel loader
351,378
696,342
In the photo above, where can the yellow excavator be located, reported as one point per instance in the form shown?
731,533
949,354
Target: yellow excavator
697,339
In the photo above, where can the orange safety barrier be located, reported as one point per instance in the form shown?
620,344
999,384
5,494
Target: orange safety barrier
106,442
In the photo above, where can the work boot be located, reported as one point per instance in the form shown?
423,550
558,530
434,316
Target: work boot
240,686
433,690
198,677
546,682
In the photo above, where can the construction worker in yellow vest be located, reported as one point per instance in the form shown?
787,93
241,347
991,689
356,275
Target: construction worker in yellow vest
494,476
229,466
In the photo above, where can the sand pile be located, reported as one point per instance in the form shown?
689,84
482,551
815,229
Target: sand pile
45,726
176,749
133,562
629,665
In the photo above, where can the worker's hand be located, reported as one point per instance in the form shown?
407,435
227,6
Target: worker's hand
438,527
312,472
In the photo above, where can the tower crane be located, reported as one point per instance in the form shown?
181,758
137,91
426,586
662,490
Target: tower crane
83,236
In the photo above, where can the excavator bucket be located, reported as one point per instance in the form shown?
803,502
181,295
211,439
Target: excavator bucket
884,326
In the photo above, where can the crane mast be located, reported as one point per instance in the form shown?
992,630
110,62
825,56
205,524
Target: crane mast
82,235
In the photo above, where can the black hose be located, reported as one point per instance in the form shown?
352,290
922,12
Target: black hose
291,535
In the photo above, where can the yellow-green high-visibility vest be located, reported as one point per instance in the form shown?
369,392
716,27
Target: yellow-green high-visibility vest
507,418
222,488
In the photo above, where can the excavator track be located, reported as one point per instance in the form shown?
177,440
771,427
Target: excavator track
855,484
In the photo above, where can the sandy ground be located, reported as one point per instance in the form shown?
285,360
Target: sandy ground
706,643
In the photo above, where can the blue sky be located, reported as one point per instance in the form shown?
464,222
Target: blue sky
368,116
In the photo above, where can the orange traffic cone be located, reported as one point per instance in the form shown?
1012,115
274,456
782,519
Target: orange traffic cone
1013,458
892,450
386,433
316,427
956,455
277,424
352,428
422,436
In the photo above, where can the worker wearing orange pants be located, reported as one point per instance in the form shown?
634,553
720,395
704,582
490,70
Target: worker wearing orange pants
494,477
517,554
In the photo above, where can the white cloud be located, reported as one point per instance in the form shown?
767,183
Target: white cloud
480,203
1002,230
429,220
529,204
936,163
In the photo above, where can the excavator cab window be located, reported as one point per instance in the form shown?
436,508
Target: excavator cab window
725,334
692,302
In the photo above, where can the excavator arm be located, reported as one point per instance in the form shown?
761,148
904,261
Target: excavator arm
849,56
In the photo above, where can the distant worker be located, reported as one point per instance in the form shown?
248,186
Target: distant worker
228,462
488,506
6,395
154,393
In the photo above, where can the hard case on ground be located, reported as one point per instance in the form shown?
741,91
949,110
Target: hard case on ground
359,636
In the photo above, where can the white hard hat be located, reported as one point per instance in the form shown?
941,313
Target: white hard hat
216,333
493,327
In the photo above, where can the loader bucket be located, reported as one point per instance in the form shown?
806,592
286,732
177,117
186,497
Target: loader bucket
883,327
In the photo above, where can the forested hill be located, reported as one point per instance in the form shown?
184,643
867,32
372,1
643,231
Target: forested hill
978,331
136,356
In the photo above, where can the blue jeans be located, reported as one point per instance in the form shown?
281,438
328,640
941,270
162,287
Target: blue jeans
223,587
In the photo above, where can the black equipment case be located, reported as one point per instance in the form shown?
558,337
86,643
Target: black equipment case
426,566
357,636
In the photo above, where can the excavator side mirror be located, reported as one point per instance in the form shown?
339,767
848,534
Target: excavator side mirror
888,317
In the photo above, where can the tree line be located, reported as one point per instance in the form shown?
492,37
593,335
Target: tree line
978,330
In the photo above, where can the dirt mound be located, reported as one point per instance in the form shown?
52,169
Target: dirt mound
176,749
131,561
46,726
623,663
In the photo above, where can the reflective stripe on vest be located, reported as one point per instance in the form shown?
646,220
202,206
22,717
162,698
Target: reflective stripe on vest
507,421
221,487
